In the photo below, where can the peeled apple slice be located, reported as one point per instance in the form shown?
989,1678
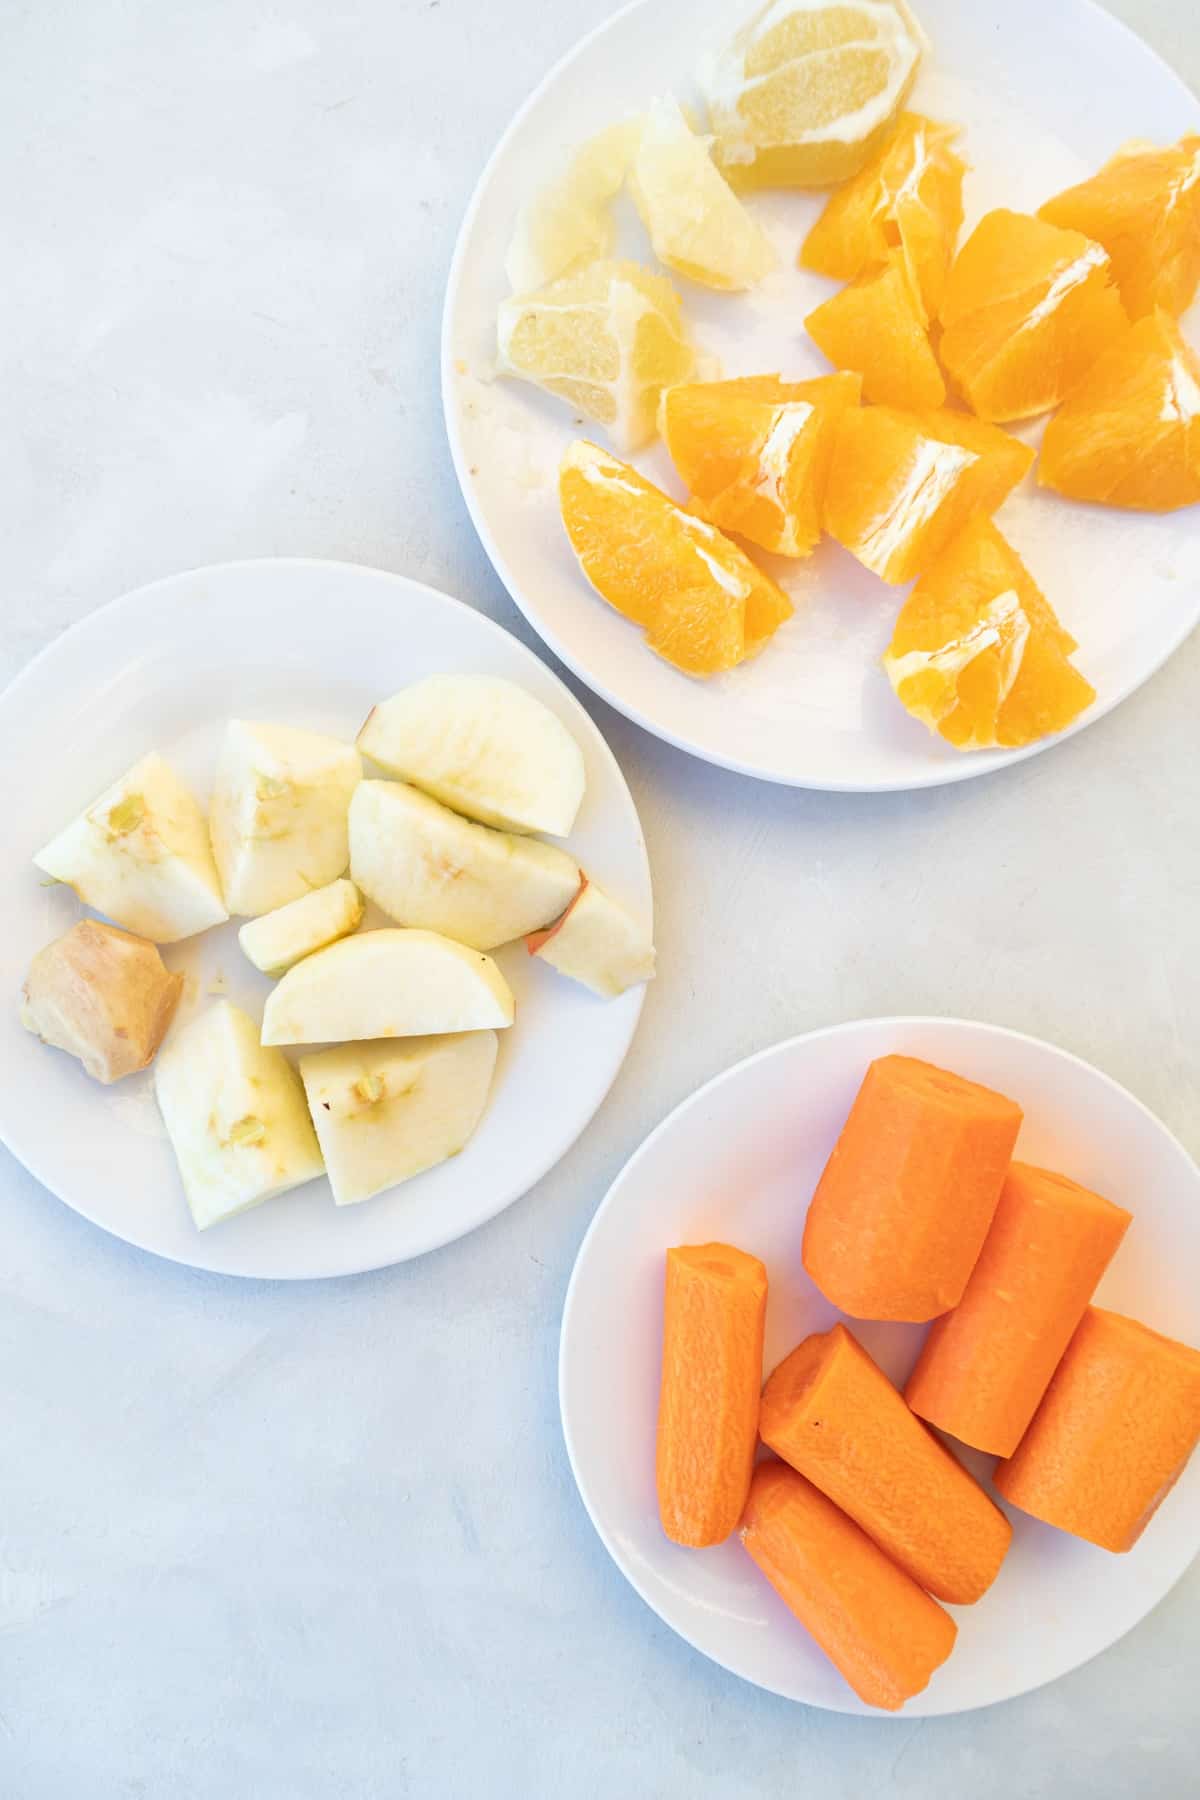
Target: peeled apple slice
280,938
427,866
483,746
388,983
278,813
388,1110
140,855
598,943
695,221
235,1114
103,995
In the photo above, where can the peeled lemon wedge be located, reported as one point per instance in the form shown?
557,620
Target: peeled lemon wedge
569,222
695,221
807,89
607,338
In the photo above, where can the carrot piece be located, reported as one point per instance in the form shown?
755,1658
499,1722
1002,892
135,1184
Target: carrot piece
1113,1434
537,940
986,1365
873,1622
714,1309
904,1204
832,1413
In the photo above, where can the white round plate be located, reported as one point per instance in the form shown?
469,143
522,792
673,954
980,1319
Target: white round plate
303,643
737,1163
1044,94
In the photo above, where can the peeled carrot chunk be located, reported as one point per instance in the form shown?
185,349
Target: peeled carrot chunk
905,1201
832,1413
714,1308
985,1366
873,1622
1113,1434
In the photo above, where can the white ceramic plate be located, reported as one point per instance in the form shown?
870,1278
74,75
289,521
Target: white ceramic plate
1045,94
311,644
737,1163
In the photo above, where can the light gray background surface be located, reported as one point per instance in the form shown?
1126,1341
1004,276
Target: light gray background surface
271,1543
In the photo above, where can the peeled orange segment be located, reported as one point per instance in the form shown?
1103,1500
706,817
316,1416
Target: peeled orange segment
1144,207
902,483
908,198
607,338
875,327
1027,307
1128,434
694,220
755,453
701,602
977,653
569,221
808,89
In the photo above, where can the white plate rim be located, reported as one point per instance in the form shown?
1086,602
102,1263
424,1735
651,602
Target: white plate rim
159,587
967,767
898,1022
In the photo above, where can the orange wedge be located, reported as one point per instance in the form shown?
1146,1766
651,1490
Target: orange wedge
1027,307
1144,207
755,453
703,605
908,198
1129,433
977,653
901,484
875,327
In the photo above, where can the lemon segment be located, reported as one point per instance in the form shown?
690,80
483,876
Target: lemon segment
570,222
607,338
695,221
807,89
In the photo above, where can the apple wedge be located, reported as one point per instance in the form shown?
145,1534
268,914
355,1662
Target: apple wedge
278,813
235,1114
387,984
388,1110
281,938
485,747
428,866
598,943
140,855
103,996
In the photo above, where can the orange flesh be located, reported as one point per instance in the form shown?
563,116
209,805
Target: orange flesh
907,199
714,1308
833,1415
903,483
985,1366
1027,308
873,1622
1113,1434
1128,434
755,453
976,571
1144,207
905,1201
703,605
875,328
